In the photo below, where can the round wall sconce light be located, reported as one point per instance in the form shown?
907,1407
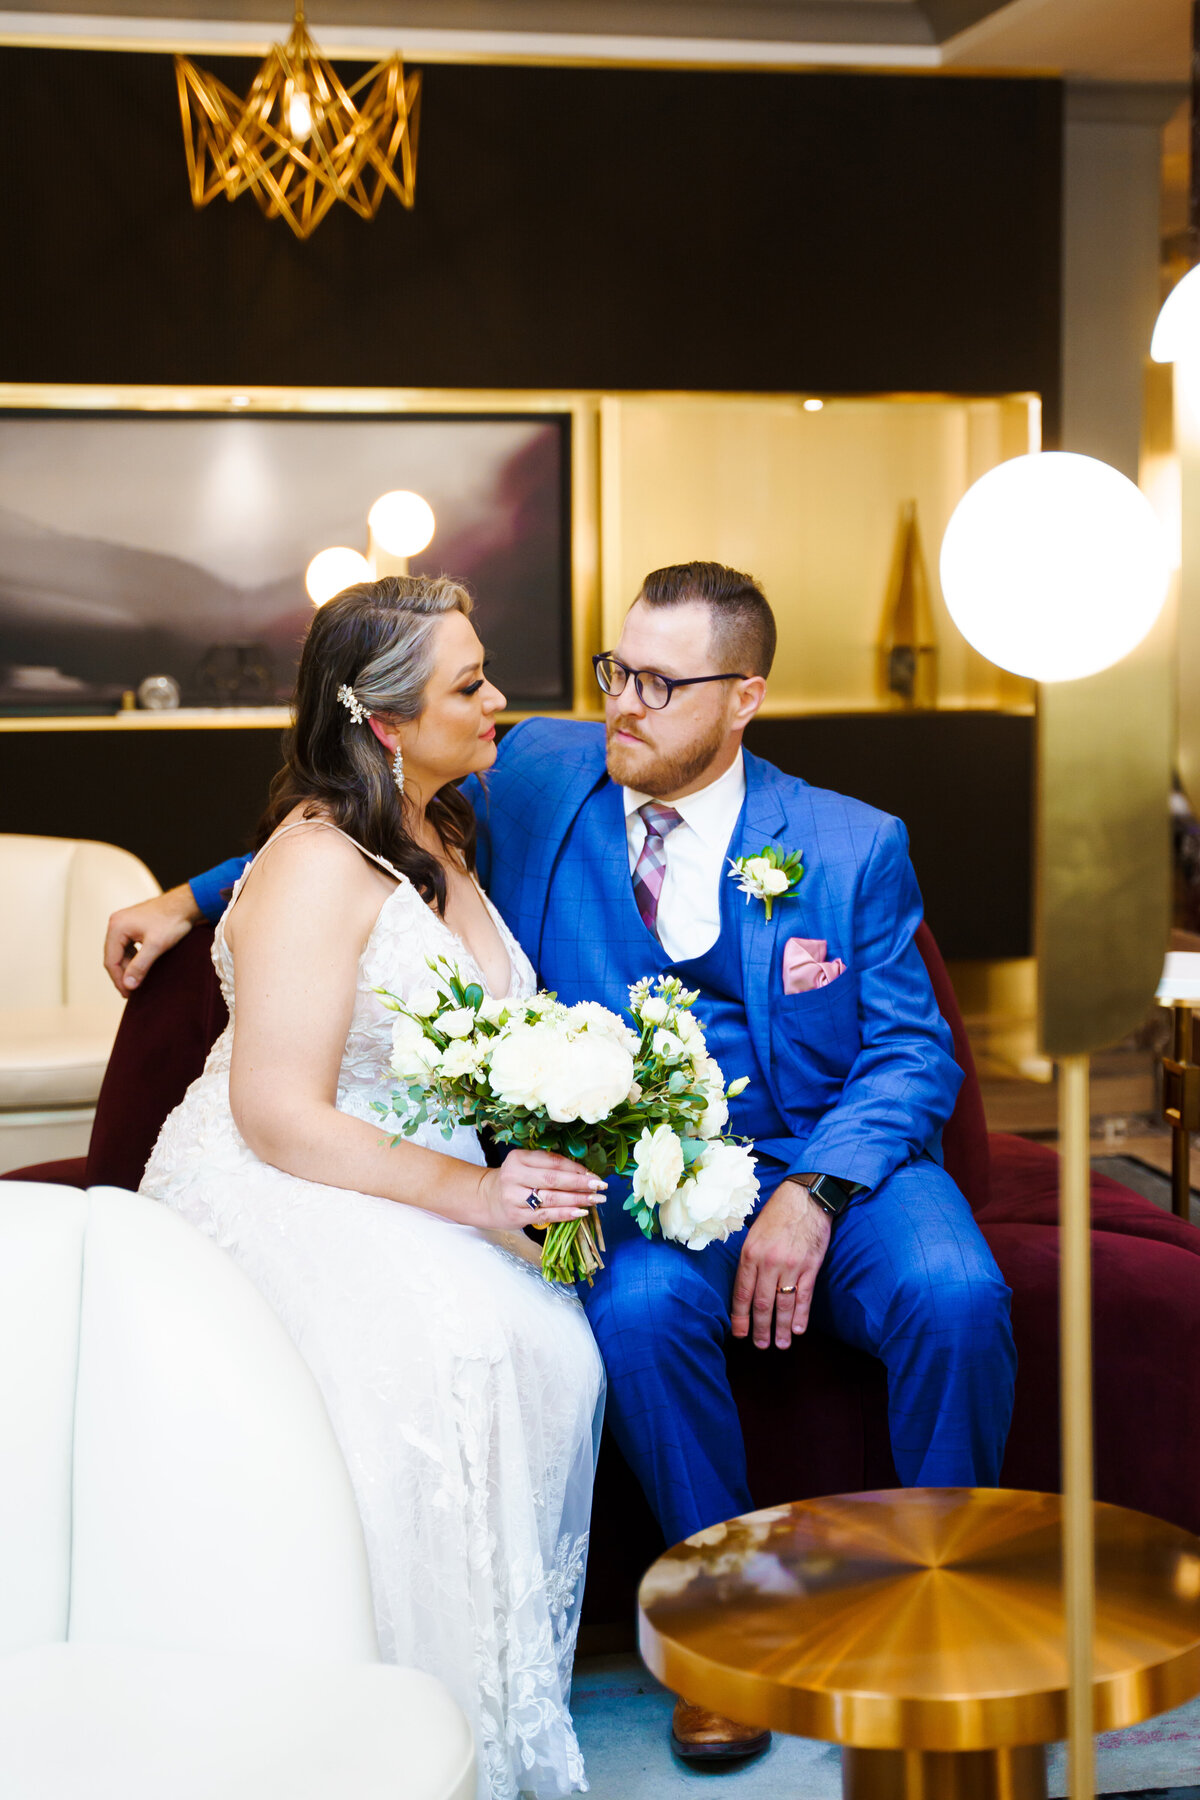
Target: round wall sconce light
332,570
402,523
1054,566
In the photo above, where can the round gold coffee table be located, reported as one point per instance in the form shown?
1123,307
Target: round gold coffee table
922,1628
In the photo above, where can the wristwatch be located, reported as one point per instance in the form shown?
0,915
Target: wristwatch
833,1197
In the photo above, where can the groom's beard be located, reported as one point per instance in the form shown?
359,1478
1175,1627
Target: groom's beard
659,773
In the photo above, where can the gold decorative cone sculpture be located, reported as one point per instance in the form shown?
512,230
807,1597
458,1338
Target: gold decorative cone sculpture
908,656
300,139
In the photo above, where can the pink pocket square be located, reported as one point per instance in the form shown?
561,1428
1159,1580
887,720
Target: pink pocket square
805,966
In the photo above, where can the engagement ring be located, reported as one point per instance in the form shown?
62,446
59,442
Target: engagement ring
533,1199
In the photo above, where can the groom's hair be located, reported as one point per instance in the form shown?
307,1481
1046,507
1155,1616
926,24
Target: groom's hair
742,623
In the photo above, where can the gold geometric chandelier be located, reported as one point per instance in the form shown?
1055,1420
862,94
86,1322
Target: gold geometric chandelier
301,140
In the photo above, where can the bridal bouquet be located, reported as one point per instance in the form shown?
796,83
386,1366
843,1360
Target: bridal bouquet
579,1080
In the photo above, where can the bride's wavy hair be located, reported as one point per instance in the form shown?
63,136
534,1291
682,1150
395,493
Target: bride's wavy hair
376,639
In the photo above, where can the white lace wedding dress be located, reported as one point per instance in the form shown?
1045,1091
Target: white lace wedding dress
466,1391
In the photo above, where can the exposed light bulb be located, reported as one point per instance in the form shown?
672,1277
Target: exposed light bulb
813,405
300,118
330,571
402,523
1054,566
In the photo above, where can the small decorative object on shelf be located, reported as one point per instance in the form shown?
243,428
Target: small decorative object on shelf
908,653
158,693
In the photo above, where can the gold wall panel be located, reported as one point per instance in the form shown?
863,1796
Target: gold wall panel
808,502
1103,885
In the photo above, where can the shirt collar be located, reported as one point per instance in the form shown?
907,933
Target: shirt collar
711,811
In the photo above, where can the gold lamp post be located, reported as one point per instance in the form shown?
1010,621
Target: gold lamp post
1054,566
301,139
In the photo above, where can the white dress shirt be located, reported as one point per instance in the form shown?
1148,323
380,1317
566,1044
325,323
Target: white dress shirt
689,906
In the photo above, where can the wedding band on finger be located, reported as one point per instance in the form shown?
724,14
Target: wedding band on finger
533,1198
785,1290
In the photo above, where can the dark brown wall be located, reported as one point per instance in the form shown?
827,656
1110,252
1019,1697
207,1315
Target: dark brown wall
573,228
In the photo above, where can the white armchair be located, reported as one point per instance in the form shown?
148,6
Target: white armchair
184,1598
58,1010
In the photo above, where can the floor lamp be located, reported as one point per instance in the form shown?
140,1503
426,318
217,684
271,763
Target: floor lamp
1054,566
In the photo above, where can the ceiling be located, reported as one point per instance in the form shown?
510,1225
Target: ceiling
1098,40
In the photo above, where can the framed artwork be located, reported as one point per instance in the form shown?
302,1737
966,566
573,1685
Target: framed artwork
140,543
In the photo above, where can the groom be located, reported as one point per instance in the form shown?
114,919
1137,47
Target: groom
608,851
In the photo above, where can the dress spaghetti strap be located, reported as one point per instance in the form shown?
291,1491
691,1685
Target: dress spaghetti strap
322,824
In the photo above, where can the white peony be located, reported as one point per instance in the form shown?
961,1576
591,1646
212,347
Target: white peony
767,879
710,1080
714,1201
581,1077
425,1002
461,1057
659,1158
522,1063
664,1043
458,1023
592,1075
414,1058
654,1011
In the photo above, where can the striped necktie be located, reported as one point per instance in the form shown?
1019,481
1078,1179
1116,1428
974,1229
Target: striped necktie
651,867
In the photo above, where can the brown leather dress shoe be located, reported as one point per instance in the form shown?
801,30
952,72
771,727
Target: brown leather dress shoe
698,1735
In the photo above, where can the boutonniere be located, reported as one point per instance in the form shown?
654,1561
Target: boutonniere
771,875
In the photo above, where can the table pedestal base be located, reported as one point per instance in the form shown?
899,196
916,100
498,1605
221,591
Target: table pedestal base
1017,1773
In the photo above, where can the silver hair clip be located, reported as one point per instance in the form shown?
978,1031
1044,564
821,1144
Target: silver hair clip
353,704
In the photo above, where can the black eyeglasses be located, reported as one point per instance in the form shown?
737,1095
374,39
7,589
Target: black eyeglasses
653,689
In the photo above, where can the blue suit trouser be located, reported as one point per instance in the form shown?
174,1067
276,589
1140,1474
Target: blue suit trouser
907,1278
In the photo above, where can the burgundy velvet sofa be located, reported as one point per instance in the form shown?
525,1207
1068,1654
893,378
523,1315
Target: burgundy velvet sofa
815,1416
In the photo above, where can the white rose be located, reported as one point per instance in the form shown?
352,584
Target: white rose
659,1158
715,1200
459,1058
665,1044
414,1058
690,1030
494,1011
523,1061
766,877
425,1002
459,1023
654,1011
715,1116
592,1075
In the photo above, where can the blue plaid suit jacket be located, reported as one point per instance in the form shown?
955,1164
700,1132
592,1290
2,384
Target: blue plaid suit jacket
862,1070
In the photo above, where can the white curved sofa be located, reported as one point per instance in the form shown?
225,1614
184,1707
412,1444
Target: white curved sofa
58,1010
184,1598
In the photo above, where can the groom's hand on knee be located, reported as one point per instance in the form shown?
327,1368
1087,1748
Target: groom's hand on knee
780,1261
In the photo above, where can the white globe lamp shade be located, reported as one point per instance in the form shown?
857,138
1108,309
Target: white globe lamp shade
1054,566
402,523
332,570
1177,332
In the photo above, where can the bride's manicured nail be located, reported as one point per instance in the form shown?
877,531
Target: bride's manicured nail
597,1186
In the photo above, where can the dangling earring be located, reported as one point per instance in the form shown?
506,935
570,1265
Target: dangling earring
398,770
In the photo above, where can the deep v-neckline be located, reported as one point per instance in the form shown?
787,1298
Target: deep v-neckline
406,886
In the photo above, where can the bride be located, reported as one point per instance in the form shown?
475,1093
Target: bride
465,1390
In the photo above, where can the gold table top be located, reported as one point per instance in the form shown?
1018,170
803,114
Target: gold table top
920,1618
